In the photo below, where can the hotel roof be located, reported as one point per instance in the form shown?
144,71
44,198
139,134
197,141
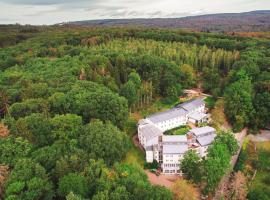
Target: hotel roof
202,131
175,148
179,110
206,140
191,104
198,116
166,115
150,131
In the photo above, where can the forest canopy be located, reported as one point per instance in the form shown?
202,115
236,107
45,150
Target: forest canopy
66,93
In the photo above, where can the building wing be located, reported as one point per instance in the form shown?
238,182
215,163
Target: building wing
167,115
206,140
175,148
198,132
150,131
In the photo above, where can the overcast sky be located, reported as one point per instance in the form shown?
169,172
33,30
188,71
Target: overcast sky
56,11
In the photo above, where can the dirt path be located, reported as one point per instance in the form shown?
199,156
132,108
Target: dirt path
162,180
136,142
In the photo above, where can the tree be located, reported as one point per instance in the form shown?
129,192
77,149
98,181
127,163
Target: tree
28,107
28,180
93,171
262,107
94,101
182,190
66,126
4,103
36,128
227,138
135,78
35,90
73,182
12,149
72,196
215,165
105,141
58,103
129,91
191,166
238,103
188,76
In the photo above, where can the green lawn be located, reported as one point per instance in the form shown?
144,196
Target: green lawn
135,156
182,130
210,102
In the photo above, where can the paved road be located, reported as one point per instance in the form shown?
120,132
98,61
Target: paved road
262,137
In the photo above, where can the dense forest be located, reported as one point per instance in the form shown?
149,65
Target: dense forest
66,93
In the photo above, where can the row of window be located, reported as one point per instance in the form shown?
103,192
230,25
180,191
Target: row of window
171,165
172,171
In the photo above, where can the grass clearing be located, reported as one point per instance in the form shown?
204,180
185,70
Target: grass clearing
261,182
182,130
135,156
158,106
210,102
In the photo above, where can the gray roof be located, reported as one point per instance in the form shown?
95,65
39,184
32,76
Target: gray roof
143,122
191,104
202,130
206,140
177,111
150,131
174,138
166,115
198,116
175,148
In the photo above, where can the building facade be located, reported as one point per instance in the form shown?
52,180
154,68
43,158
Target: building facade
168,150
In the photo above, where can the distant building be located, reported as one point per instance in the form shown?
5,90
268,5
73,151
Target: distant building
168,150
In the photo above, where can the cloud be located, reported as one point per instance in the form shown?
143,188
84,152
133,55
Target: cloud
42,2
56,11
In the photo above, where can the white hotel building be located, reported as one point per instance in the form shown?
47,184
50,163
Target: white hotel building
168,150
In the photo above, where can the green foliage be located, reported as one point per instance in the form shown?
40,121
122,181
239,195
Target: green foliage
28,180
55,82
66,126
228,138
91,100
12,149
36,128
73,182
215,166
27,107
191,166
128,91
240,165
238,103
104,141
258,193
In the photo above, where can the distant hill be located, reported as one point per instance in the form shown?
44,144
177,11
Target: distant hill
238,22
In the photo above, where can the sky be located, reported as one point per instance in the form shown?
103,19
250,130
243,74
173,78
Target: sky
38,12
